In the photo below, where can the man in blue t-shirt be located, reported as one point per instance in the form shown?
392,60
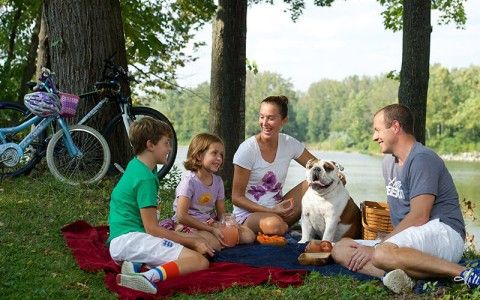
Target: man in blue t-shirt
429,232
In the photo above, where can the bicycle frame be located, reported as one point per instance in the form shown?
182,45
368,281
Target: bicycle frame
41,124
124,111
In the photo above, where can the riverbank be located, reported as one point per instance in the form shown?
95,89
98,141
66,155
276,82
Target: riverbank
465,156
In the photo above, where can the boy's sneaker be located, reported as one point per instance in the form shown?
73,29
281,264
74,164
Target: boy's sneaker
398,281
470,276
130,268
136,282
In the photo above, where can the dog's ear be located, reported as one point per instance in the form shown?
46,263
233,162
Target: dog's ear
329,166
310,163
339,166
342,178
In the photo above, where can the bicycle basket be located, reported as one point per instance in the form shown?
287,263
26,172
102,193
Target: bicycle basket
69,104
42,104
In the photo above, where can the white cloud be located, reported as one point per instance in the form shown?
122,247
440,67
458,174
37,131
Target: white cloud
335,42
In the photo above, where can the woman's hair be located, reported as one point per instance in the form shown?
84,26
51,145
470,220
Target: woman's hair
400,113
198,146
146,129
281,102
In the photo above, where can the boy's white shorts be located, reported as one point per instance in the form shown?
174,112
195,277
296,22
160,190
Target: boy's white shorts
144,248
434,237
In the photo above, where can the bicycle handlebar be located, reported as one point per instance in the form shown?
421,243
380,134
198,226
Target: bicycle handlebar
118,72
45,82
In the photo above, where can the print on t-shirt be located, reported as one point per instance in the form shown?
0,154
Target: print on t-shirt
269,184
394,188
204,200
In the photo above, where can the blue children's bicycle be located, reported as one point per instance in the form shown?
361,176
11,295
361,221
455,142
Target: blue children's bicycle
75,154
108,93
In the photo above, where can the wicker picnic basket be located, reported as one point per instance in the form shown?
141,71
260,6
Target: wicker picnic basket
375,219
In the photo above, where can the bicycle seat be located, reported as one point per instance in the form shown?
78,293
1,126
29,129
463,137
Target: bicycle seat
31,84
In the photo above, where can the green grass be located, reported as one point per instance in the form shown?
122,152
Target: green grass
36,264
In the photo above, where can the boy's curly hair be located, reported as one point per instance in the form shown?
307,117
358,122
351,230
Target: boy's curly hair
147,129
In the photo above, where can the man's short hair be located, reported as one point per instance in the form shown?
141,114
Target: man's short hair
399,113
147,128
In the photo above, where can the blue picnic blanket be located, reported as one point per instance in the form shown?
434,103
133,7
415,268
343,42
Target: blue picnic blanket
286,257
281,257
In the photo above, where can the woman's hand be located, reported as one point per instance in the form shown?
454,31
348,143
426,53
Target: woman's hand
284,209
360,257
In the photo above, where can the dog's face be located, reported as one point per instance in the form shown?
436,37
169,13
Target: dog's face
321,174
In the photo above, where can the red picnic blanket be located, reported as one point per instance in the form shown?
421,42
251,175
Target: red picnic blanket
87,244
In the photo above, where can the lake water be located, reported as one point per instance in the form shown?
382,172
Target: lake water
365,180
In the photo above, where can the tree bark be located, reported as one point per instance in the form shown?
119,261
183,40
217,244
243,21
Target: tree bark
29,66
42,51
227,91
80,35
414,74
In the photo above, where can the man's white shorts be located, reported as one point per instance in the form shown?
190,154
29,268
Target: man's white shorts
144,248
434,237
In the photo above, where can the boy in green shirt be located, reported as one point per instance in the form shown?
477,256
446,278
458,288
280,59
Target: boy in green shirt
135,237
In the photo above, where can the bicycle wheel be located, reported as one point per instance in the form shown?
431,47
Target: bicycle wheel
13,114
87,168
116,129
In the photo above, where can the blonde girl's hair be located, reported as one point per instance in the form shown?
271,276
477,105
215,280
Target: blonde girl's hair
197,147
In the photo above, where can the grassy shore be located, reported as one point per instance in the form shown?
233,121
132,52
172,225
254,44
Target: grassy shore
36,264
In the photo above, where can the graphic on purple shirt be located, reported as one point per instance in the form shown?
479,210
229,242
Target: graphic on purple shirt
202,197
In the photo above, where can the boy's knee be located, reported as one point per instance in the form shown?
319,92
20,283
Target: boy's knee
203,262
199,261
191,261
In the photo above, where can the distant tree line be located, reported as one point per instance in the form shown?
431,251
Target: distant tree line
337,115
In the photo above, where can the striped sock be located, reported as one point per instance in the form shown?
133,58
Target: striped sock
162,272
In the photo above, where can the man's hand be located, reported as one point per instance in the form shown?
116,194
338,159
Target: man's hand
360,257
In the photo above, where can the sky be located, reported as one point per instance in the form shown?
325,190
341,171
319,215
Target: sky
335,42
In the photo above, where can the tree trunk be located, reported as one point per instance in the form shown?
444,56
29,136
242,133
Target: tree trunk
80,35
42,52
416,61
227,91
29,67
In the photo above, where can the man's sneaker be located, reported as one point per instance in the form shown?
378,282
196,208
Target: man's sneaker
398,281
136,282
470,276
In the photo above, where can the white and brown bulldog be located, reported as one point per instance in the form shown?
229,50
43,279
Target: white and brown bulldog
328,211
